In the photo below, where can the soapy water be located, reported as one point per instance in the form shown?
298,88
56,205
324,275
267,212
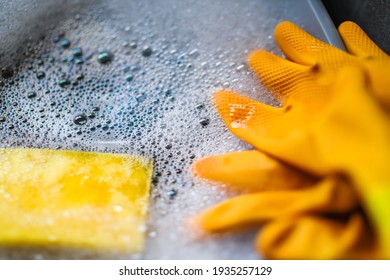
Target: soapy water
136,77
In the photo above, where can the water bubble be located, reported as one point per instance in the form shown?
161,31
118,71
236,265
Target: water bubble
79,60
133,45
141,97
79,77
135,67
77,52
129,78
172,193
40,75
80,119
240,67
56,39
63,83
147,51
31,94
104,57
194,53
204,121
7,72
65,43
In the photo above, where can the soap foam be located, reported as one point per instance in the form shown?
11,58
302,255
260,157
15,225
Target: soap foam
167,60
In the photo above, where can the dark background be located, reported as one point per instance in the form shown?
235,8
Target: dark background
372,15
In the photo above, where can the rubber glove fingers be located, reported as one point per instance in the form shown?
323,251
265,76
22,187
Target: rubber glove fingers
376,61
289,81
280,132
250,171
241,113
316,237
330,195
358,43
315,64
303,48
289,133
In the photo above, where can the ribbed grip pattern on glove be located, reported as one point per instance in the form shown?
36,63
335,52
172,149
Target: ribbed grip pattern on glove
358,43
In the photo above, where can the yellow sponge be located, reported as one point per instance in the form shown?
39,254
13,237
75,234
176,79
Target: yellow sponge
73,199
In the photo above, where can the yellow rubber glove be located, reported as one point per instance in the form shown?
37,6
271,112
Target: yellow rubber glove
328,196
73,199
350,120
320,60
294,226
317,237
302,89
359,123
353,135
285,201
251,171
298,133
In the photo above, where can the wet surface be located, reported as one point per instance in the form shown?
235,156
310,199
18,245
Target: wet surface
136,77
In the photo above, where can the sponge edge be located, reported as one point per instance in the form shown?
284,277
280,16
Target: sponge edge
73,199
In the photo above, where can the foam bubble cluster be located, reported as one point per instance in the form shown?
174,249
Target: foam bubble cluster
136,77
